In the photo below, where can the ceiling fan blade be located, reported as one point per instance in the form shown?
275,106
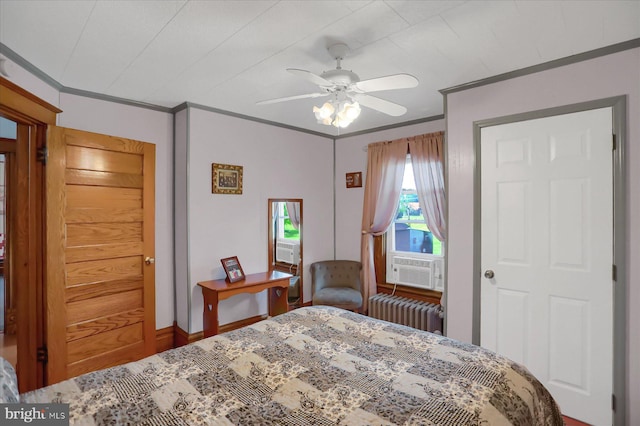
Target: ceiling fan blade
309,76
292,98
390,82
378,104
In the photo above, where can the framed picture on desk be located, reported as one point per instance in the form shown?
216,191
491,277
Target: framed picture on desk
233,269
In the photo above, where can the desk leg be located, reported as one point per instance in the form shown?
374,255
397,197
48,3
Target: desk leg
278,300
210,314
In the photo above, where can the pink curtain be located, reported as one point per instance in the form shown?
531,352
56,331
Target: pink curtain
385,170
427,161
294,213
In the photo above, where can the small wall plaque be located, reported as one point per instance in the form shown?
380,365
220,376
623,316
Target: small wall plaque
226,179
354,180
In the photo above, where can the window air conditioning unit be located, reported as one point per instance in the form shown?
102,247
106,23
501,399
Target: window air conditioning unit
413,272
287,252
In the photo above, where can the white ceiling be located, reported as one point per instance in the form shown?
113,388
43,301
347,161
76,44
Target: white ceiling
230,54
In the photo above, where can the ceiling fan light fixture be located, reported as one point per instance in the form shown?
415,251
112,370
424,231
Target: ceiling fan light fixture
341,122
324,112
327,121
351,110
347,91
345,113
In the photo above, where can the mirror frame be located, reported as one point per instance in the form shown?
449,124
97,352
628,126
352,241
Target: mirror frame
281,266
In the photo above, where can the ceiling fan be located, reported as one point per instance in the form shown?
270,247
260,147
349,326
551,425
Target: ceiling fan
347,92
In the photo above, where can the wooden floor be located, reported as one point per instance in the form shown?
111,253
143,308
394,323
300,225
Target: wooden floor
568,421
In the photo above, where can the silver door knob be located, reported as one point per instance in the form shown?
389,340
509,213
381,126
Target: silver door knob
489,274
149,260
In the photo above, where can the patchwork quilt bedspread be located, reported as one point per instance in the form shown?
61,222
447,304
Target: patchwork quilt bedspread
314,365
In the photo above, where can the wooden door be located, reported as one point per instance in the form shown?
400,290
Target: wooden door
547,247
100,229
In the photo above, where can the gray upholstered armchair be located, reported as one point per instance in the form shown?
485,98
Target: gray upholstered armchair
337,283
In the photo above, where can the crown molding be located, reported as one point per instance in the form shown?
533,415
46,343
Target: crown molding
556,63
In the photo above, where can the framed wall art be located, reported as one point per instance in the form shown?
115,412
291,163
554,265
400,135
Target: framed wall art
354,180
226,179
233,269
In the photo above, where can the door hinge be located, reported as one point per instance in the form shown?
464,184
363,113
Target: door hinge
42,355
613,402
613,142
614,272
42,154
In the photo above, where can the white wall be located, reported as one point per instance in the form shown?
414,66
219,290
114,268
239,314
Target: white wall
278,163
612,75
148,126
31,83
351,157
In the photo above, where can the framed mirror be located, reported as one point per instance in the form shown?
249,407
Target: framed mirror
285,243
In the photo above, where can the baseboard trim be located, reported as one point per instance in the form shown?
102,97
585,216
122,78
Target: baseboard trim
164,339
182,338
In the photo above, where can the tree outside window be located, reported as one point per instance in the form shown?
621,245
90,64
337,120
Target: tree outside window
285,228
409,231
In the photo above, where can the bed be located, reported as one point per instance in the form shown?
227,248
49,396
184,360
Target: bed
314,365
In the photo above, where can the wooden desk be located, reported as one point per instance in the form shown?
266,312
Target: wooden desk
216,290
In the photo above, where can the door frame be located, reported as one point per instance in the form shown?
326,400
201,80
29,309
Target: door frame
619,122
32,115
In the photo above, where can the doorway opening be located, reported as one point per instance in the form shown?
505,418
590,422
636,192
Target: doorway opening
24,253
8,340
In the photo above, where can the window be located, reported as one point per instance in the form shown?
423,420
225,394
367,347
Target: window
409,230
414,254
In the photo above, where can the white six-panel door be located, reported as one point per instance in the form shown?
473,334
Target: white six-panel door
547,238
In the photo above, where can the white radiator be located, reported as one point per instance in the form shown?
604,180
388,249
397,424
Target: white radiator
400,310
